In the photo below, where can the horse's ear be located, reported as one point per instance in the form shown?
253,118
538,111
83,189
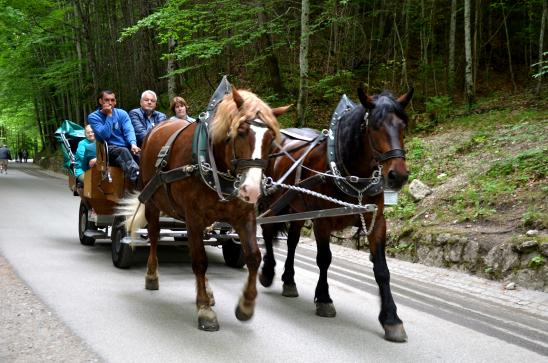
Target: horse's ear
365,100
406,98
238,99
278,111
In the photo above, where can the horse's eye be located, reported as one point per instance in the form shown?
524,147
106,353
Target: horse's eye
242,130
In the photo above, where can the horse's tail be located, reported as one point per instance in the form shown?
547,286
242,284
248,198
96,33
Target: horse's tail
134,211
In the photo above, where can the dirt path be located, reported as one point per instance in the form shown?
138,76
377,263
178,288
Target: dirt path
29,331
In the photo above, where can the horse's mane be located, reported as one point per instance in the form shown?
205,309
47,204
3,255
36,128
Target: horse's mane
228,117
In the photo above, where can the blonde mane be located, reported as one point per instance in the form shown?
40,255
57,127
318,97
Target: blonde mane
228,117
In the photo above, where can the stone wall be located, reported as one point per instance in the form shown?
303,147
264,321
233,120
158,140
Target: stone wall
519,259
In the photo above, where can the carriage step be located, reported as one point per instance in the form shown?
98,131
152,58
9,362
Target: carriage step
92,233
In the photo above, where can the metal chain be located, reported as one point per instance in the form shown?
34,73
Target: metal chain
317,195
205,166
376,178
362,218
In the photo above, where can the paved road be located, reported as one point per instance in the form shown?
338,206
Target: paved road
60,289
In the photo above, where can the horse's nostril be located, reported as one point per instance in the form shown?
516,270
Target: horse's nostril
392,175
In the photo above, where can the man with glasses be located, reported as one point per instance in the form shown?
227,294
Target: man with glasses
145,117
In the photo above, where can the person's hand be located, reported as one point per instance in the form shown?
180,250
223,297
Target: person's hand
107,109
135,149
92,162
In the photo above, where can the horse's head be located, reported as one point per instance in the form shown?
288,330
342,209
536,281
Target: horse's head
243,132
384,123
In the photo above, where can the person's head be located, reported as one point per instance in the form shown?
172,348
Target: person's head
106,97
148,101
89,133
179,107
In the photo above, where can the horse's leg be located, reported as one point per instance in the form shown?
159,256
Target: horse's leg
269,261
324,304
388,317
152,215
288,277
247,230
207,319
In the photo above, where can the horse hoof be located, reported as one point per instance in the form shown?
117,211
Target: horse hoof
265,281
243,312
152,283
290,290
395,333
207,324
326,310
242,315
207,319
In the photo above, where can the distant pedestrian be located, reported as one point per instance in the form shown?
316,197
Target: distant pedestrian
25,155
4,157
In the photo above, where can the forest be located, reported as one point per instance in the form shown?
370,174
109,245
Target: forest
56,55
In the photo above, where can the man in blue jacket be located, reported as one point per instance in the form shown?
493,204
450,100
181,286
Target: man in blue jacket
145,117
113,125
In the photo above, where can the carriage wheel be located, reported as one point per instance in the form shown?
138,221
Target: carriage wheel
84,224
233,253
121,252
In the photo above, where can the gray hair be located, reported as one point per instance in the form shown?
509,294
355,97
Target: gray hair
149,92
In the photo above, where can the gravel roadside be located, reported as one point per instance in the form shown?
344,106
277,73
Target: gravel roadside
29,331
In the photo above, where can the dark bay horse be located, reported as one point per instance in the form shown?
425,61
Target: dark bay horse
241,133
363,144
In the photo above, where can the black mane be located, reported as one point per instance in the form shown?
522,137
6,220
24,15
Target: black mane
385,103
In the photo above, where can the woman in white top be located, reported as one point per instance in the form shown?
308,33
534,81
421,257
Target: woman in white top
179,107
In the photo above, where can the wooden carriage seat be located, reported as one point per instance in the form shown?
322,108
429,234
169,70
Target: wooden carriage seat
103,182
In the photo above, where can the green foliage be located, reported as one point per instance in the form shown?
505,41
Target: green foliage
536,262
333,86
401,248
405,209
525,166
439,107
534,218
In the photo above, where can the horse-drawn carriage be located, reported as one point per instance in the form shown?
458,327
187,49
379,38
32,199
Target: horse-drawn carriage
217,168
104,186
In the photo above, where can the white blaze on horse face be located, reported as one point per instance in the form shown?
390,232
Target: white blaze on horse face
250,189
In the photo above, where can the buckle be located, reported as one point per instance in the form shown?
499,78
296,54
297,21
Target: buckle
353,179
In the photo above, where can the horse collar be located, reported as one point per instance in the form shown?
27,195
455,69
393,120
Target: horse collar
350,185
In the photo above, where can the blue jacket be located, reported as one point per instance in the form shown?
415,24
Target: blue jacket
143,124
115,130
5,153
84,153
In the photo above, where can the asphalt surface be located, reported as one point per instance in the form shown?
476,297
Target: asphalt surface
32,331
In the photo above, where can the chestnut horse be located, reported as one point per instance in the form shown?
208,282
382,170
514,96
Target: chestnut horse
241,133
363,144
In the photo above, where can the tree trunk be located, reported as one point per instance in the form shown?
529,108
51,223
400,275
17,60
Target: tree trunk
468,77
303,64
171,84
271,61
541,45
452,34
514,87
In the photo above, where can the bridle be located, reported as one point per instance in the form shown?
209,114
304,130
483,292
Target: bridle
380,157
238,164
